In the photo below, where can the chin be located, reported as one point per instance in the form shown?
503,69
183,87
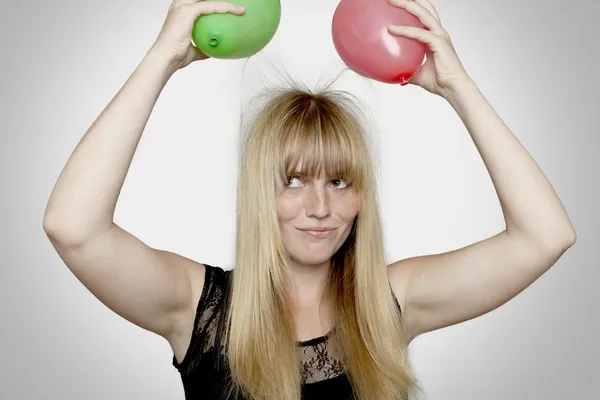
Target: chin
315,260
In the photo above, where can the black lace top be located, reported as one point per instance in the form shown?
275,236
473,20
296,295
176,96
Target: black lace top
204,371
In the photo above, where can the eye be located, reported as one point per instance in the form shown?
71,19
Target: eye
290,181
339,183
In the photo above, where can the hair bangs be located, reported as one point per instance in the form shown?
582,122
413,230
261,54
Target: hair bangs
321,138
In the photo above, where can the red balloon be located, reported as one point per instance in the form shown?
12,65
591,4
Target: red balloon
361,38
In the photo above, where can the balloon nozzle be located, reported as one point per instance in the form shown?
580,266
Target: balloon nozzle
213,41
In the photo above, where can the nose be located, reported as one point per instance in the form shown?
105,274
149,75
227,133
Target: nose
317,204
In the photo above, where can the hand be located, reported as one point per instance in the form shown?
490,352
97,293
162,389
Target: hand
175,37
442,68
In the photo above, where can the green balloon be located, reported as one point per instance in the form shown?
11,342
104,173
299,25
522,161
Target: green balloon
230,36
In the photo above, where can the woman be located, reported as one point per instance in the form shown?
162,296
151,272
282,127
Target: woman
310,309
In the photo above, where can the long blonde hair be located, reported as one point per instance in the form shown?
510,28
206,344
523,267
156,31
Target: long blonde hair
323,129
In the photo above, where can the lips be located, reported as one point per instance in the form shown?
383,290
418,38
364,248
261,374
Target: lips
318,229
319,233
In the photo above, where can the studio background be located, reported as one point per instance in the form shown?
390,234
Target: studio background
63,61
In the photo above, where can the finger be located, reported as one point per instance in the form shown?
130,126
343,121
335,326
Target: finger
426,18
214,7
432,40
426,4
177,3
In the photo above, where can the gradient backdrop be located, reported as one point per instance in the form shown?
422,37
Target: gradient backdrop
63,61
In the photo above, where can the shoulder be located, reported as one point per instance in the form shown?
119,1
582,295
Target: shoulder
208,284
206,280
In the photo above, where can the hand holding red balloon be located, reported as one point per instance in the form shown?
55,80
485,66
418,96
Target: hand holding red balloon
443,68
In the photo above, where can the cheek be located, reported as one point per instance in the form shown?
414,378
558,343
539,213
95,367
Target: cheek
288,208
348,207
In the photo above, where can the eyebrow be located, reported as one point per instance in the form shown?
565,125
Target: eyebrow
304,175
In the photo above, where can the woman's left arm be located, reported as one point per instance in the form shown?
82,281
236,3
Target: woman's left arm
444,289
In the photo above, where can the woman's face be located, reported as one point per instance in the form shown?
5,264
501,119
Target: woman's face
306,207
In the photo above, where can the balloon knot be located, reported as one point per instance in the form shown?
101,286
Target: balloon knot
213,41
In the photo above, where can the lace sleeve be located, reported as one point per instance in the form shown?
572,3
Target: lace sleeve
208,310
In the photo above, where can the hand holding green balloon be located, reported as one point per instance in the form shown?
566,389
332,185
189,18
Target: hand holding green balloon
230,36
174,40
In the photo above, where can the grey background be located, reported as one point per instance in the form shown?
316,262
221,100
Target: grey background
62,62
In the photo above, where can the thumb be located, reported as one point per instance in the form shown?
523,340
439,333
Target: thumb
197,55
192,55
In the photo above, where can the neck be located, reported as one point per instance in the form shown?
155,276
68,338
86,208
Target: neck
309,283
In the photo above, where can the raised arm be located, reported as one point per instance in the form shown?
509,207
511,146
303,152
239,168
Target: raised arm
151,288
445,289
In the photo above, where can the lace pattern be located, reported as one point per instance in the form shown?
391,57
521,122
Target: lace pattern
319,360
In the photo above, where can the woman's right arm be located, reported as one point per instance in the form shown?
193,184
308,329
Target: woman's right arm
148,287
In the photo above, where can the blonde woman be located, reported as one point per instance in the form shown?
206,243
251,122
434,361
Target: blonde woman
310,309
